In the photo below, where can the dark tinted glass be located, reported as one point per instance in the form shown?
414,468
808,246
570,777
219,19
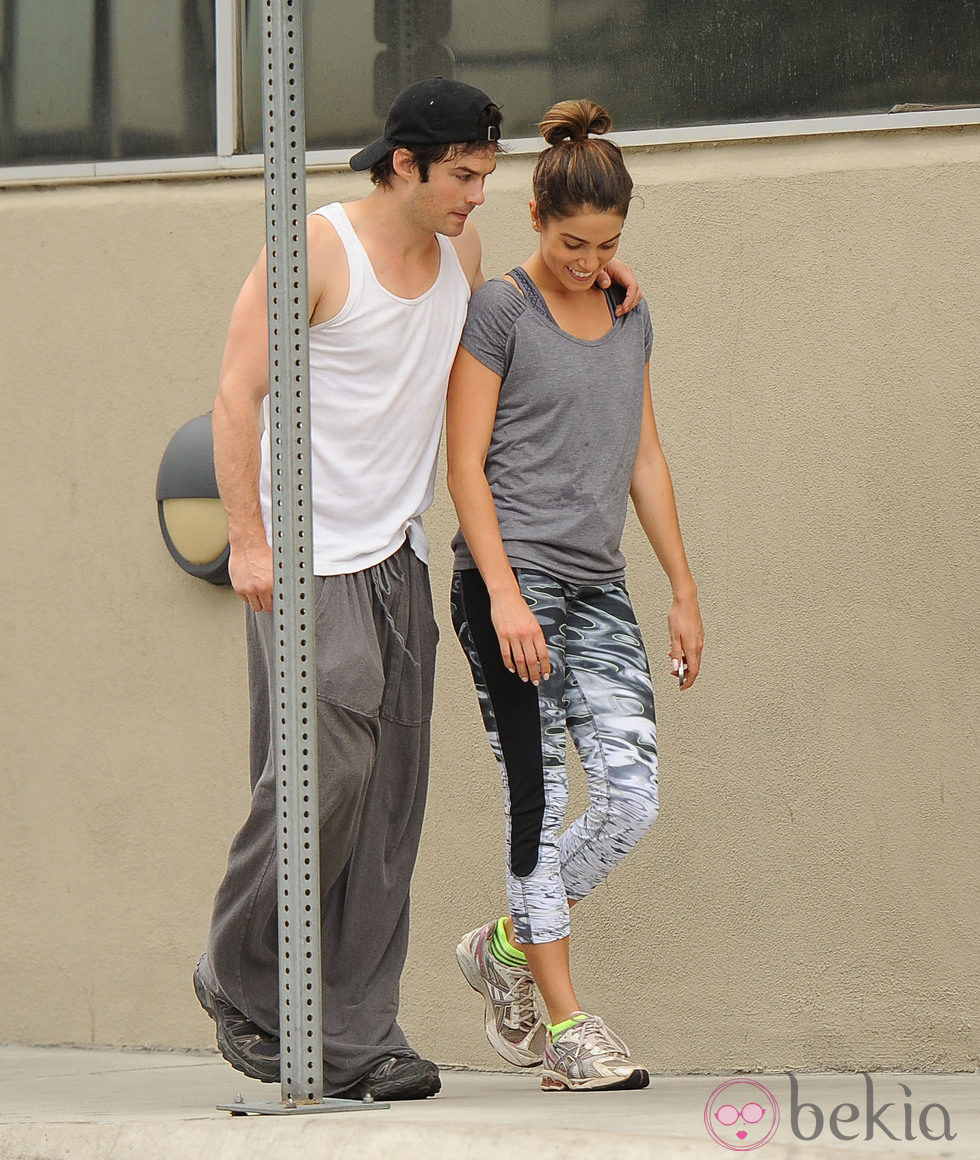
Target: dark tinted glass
653,63
339,54
100,80
690,62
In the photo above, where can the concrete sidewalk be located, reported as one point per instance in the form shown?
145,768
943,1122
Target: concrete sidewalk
72,1104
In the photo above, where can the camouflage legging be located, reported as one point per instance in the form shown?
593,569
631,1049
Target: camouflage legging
600,690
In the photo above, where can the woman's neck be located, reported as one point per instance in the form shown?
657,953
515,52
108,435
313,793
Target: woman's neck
583,314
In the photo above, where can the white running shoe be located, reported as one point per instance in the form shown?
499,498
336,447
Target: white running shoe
588,1057
513,1022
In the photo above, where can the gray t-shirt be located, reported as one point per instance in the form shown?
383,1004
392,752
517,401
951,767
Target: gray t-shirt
566,431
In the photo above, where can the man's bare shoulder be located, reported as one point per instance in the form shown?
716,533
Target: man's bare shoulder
323,241
470,252
329,272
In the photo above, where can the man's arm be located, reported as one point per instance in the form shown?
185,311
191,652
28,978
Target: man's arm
470,252
237,418
618,271
237,426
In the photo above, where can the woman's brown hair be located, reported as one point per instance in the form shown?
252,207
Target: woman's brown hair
579,171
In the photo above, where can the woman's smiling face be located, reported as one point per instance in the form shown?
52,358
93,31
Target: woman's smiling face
575,248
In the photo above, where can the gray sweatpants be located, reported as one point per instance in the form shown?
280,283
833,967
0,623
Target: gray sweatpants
376,639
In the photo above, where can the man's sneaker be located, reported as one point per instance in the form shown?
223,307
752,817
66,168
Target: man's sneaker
588,1057
514,1025
399,1077
247,1048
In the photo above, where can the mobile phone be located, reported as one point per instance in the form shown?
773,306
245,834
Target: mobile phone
681,671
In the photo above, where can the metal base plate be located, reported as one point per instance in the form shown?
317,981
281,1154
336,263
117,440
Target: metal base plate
279,1108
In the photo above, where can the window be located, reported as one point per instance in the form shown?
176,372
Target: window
668,63
106,79
652,63
113,80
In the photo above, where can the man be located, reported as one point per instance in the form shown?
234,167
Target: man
389,281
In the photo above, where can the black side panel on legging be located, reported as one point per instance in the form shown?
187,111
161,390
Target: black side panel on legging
518,720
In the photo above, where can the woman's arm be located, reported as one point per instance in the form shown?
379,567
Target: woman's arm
470,413
653,498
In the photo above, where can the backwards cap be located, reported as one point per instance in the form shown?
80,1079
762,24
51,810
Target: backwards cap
436,111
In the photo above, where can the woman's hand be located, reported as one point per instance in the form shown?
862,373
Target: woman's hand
522,645
686,638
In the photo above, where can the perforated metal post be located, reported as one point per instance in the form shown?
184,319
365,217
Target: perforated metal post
294,736
300,995
300,1027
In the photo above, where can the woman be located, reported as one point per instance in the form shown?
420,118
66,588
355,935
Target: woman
551,428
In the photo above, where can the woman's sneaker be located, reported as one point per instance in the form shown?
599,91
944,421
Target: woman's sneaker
513,1022
588,1057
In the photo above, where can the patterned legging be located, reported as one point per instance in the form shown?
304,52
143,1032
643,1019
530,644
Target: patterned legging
600,690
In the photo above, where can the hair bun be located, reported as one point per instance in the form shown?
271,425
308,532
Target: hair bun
574,121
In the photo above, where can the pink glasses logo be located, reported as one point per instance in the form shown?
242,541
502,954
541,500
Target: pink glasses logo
741,1115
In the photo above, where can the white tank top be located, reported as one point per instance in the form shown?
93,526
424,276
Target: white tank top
378,376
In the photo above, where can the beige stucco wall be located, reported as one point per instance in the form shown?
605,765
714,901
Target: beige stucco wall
809,895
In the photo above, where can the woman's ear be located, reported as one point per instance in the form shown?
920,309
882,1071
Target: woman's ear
535,223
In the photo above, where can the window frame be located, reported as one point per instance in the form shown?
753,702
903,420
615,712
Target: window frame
227,161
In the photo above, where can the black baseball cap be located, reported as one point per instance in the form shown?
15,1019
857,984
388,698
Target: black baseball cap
433,111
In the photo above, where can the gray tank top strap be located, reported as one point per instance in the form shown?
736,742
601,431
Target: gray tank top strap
531,292
533,295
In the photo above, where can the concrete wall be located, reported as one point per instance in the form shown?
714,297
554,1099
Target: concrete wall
809,895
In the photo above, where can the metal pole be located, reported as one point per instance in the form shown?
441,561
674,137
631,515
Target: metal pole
300,1027
300,994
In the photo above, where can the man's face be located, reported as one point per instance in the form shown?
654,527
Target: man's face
454,189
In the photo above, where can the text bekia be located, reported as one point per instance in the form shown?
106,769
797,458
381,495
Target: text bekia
932,1120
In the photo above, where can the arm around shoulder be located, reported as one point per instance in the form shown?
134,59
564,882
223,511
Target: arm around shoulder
469,250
